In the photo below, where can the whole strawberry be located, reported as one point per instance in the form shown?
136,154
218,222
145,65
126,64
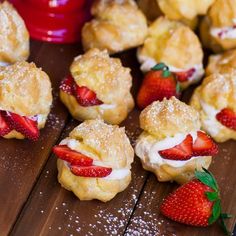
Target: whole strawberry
195,203
158,83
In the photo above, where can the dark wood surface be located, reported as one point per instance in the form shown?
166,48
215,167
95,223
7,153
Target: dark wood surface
33,203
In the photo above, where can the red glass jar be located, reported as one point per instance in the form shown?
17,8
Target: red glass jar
57,21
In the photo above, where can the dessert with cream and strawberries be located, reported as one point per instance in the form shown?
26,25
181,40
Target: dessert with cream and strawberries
176,45
98,87
94,162
218,28
25,100
14,36
172,145
215,99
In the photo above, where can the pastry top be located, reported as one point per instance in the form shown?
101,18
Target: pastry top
222,13
173,43
219,89
169,117
104,75
118,25
221,62
14,36
178,9
25,89
108,143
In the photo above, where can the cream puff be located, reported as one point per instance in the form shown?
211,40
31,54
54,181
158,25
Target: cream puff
222,61
215,99
218,28
14,36
184,10
25,100
94,162
98,87
117,26
177,46
172,146
152,10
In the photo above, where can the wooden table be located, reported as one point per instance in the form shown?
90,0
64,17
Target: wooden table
33,203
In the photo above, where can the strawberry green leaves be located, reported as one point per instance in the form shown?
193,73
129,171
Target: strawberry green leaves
208,179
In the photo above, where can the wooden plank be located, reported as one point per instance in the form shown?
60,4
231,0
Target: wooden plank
21,160
51,210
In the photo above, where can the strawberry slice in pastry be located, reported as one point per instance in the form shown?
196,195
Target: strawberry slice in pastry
182,151
73,157
204,145
227,117
91,171
22,124
4,127
184,76
84,96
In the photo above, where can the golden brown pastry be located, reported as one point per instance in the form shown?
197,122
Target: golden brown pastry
177,46
117,25
215,99
103,157
152,10
14,36
25,100
184,9
99,88
171,142
218,28
221,62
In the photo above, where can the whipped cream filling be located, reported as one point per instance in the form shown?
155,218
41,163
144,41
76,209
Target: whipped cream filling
211,124
150,149
75,145
147,63
2,63
224,32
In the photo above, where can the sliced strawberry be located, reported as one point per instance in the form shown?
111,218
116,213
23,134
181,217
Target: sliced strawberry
182,151
204,145
227,117
67,85
24,125
4,127
73,157
183,76
86,97
91,171
157,84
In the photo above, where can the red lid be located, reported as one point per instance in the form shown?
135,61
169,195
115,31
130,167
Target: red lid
58,21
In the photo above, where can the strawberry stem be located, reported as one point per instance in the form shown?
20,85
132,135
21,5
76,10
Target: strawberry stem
162,66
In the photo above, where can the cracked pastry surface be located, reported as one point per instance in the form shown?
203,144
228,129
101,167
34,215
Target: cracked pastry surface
108,146
217,92
108,79
167,124
174,44
184,9
26,91
218,28
14,36
117,25
221,61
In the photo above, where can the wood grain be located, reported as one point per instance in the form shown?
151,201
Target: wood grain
21,161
